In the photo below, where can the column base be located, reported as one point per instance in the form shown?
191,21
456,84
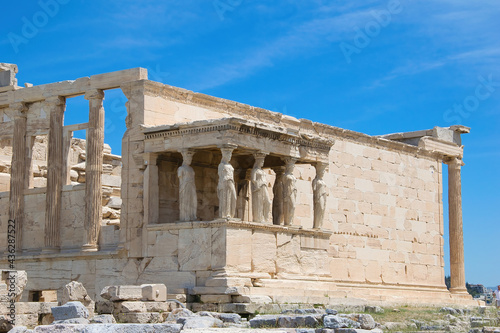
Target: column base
460,293
90,248
54,249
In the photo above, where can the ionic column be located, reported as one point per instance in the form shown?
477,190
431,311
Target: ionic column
93,169
278,196
56,106
457,271
18,173
151,190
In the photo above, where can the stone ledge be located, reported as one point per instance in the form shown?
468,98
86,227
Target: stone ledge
238,224
74,255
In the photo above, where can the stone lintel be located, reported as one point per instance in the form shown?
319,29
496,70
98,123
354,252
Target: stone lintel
443,148
73,88
114,80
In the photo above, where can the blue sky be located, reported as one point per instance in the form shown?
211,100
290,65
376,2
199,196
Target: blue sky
344,63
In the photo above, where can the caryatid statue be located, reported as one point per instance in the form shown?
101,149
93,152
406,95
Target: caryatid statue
226,190
187,188
278,196
320,194
289,191
260,197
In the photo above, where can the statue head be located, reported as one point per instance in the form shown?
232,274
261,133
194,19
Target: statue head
259,160
187,156
289,164
320,169
226,154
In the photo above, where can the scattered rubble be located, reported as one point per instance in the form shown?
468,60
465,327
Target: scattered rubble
146,308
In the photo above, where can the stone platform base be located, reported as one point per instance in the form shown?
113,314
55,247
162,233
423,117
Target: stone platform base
325,293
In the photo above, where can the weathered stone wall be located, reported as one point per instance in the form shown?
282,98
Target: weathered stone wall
384,205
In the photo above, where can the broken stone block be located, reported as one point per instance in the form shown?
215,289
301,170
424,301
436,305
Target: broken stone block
140,318
115,203
178,313
70,310
233,318
374,309
103,319
366,321
81,321
29,319
259,299
157,306
73,175
46,319
127,306
215,298
154,292
75,291
337,322
122,293
5,324
109,213
145,292
264,321
18,278
196,322
104,307
79,167
20,329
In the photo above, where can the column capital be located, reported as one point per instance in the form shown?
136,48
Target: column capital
55,100
260,154
290,160
187,152
94,94
453,162
227,146
320,167
279,170
19,108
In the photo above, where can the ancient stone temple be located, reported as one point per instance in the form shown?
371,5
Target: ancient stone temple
223,201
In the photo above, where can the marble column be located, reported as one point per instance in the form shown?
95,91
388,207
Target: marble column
151,190
226,190
320,194
457,271
93,169
278,196
55,106
18,173
289,191
188,201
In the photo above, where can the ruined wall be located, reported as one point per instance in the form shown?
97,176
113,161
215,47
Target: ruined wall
73,195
